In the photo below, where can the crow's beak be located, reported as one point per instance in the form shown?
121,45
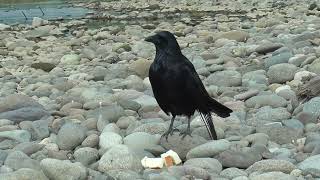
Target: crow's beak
149,39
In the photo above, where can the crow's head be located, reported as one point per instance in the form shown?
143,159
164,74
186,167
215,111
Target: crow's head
164,40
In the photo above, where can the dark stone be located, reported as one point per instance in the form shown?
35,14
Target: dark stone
266,48
231,158
24,114
47,67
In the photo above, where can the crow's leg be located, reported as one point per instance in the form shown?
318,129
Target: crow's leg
188,131
171,129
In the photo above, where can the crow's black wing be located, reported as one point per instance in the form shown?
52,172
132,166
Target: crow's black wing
196,90
194,87
159,88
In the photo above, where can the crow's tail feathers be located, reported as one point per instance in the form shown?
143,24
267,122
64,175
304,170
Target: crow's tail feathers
207,119
219,108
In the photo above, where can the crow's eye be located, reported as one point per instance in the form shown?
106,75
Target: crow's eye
162,40
157,40
160,37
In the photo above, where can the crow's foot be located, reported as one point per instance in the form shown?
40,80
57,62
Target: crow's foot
169,132
186,133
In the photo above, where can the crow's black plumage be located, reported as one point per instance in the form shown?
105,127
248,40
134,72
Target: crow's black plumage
177,86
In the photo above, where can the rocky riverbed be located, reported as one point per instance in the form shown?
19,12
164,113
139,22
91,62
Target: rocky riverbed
76,102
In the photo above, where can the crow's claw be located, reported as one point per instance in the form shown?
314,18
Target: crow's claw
166,134
169,132
185,133
173,130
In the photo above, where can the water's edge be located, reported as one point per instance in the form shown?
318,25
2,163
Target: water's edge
12,12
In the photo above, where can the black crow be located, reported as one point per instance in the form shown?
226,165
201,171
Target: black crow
177,86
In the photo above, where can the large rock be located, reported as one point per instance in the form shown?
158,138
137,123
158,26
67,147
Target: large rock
152,128
125,121
111,127
312,107
4,122
267,47
306,118
70,136
88,53
233,172
297,60
134,82
17,135
124,175
209,164
281,73
120,47
99,73
257,138
24,114
91,141
141,140
19,108
240,36
278,59
311,146
140,67
19,43
47,67
109,139
162,176
106,115
148,103
24,174
280,134
271,165
4,27
70,59
314,66
119,157
273,176
226,78
129,104
293,123
85,94
311,162
266,100
39,129
184,171
143,49
42,31
62,170
86,155
267,113
255,79
28,148
17,160
94,174
3,156
181,146
116,71
307,35
239,159
209,149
